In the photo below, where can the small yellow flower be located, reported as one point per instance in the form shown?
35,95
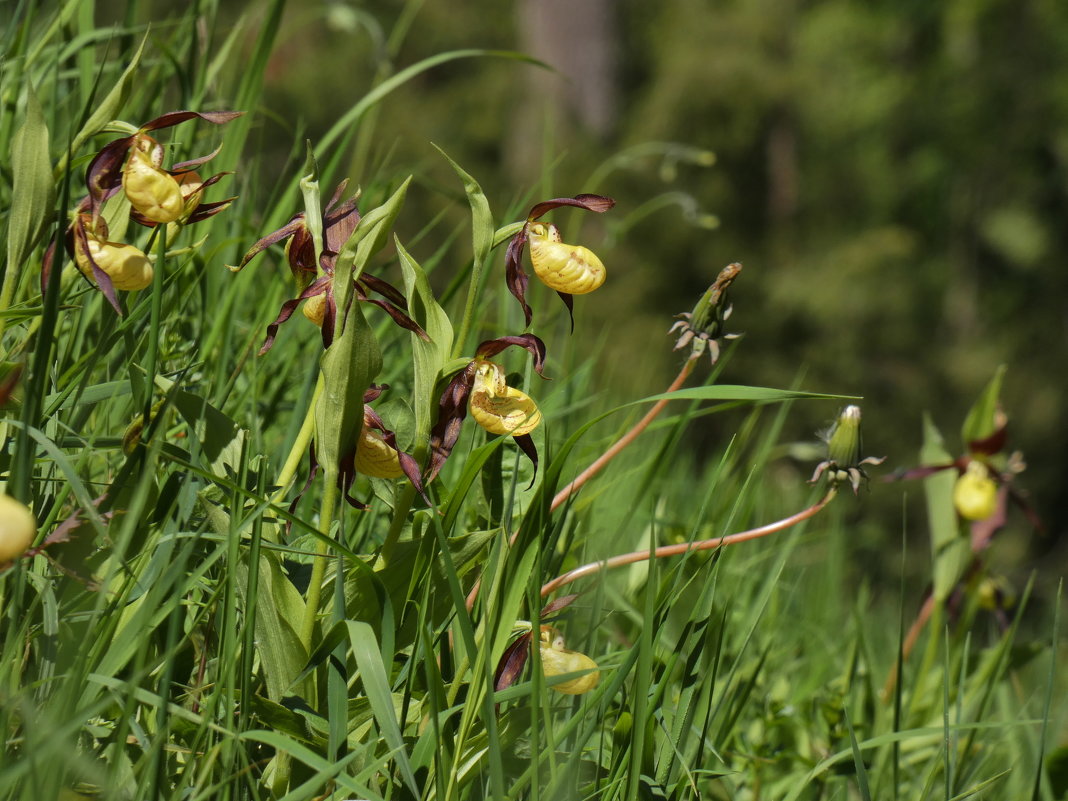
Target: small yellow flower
127,267
499,408
374,456
152,191
556,660
314,309
17,528
573,269
975,494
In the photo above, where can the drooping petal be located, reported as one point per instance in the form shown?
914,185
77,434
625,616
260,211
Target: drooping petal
515,275
452,409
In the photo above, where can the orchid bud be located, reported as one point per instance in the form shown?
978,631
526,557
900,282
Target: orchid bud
374,457
17,528
556,660
975,494
153,192
499,408
126,266
573,269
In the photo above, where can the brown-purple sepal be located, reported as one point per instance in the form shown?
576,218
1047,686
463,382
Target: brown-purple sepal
512,662
597,203
452,409
529,342
526,444
515,276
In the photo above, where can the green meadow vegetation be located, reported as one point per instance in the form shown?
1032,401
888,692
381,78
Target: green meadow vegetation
306,496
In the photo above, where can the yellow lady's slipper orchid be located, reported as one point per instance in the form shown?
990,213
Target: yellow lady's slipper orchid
17,528
573,269
153,192
557,660
975,494
314,309
375,457
126,266
499,408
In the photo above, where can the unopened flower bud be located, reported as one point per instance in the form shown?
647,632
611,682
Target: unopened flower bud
152,191
17,528
127,267
573,269
975,494
843,440
843,462
499,408
556,660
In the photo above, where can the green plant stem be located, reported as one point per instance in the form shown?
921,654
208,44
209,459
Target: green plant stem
152,359
300,445
599,464
322,551
687,547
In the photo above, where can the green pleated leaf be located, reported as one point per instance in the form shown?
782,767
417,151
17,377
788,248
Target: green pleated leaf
981,421
113,102
279,610
32,188
428,357
949,545
348,366
376,685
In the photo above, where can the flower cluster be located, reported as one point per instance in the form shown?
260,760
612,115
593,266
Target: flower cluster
316,280
133,165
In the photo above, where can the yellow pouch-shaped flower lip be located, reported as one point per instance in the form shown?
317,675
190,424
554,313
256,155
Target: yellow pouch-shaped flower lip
499,408
573,269
556,660
17,528
374,457
153,192
314,309
127,267
975,494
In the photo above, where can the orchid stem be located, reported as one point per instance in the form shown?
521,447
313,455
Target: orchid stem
300,446
687,547
623,441
603,459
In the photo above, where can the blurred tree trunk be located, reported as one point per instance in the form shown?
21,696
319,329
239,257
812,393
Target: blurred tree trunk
579,40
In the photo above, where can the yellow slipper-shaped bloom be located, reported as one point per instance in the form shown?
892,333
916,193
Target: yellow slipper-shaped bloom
374,457
573,269
557,660
128,267
499,408
153,192
975,495
17,528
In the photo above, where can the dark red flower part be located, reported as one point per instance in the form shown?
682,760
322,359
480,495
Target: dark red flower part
452,406
515,276
339,221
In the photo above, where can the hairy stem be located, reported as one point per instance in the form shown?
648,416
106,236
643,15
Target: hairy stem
687,547
623,441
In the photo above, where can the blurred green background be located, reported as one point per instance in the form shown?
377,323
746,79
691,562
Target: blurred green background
893,176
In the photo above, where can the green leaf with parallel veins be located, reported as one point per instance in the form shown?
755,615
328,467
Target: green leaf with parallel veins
981,421
32,189
348,367
950,547
428,357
